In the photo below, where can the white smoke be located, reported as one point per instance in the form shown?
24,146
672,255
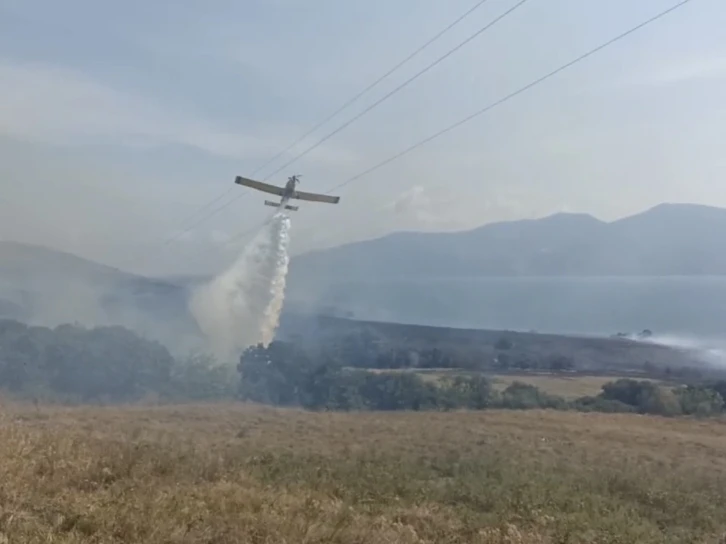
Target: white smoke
241,307
710,350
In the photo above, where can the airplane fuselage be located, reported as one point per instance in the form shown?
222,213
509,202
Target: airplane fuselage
289,189
286,192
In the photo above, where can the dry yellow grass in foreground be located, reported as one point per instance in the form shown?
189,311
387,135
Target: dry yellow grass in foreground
234,473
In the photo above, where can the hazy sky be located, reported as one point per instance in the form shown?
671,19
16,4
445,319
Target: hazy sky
120,120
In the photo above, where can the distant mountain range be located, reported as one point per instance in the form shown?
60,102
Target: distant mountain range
668,240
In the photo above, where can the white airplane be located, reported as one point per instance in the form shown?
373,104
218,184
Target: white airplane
286,193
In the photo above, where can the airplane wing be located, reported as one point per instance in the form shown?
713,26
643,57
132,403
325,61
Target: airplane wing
260,186
314,197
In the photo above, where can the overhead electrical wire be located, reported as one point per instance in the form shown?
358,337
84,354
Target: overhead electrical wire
402,85
493,105
358,116
512,94
352,100
376,82
331,116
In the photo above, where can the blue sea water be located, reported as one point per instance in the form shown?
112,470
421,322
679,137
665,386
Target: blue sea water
676,306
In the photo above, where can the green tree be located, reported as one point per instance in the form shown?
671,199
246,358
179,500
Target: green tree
198,377
700,401
103,363
504,344
720,388
473,392
660,401
503,361
523,396
645,396
274,374
627,391
560,363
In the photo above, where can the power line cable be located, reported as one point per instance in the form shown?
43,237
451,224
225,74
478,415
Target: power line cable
511,95
347,104
402,85
368,109
376,82
494,104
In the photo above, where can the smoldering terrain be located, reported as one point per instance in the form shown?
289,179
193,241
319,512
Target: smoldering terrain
222,313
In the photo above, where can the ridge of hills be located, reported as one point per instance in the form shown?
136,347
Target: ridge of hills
44,286
667,240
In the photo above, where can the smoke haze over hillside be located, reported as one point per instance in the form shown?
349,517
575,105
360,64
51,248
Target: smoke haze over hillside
412,277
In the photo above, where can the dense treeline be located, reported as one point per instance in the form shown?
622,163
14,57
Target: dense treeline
282,374
365,350
104,364
373,346
113,364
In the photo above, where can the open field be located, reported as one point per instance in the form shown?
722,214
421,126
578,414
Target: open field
238,473
567,386
562,385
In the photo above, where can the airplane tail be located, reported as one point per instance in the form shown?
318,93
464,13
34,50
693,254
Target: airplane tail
277,205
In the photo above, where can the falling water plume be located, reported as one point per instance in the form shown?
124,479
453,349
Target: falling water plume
241,307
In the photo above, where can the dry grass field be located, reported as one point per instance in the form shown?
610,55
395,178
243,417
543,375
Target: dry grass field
222,474
567,387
